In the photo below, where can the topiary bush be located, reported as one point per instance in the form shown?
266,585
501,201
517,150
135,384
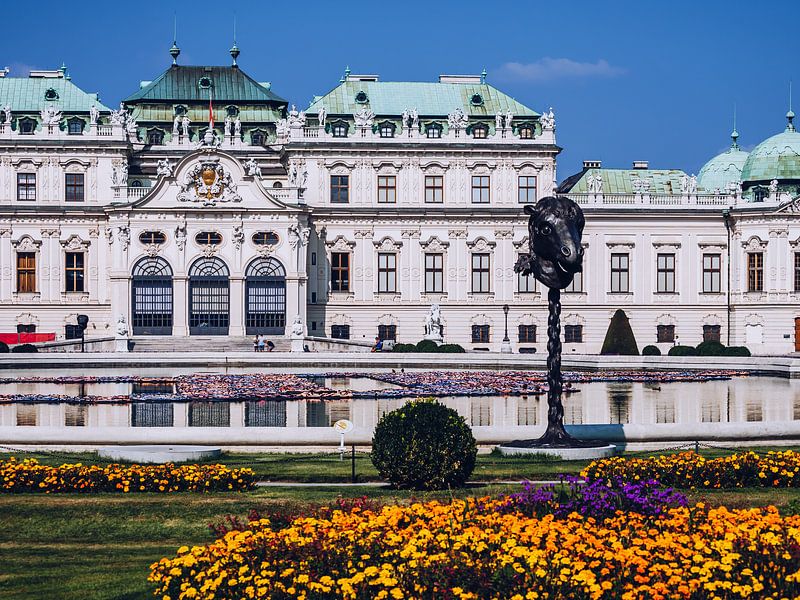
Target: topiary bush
427,346
4,348
619,337
404,348
682,351
651,350
736,351
24,349
451,348
710,348
424,445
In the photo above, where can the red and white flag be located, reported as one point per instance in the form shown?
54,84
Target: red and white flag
210,111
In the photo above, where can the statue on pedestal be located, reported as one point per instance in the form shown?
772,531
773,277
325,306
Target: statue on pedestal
433,324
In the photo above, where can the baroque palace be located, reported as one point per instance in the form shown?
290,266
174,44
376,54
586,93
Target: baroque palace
207,205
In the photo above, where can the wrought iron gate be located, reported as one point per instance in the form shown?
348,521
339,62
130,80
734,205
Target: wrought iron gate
265,297
151,297
209,297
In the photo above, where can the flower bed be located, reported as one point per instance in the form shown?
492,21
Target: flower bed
475,549
690,470
17,477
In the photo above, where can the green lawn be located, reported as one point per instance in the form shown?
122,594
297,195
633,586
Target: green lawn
82,547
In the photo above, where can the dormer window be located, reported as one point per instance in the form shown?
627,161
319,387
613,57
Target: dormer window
257,138
760,194
208,238
75,127
361,97
433,131
51,94
27,126
180,110
476,100
232,111
155,137
339,129
204,83
480,132
387,130
525,132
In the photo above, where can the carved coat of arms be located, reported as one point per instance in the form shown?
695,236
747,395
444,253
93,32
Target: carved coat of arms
208,183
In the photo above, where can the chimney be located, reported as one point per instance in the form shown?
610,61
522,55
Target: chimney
640,165
592,164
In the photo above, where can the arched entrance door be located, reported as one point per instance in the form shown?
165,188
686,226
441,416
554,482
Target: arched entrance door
265,297
151,297
209,297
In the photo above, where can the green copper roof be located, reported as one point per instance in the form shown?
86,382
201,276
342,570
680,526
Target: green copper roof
723,169
27,95
430,99
777,157
620,181
183,84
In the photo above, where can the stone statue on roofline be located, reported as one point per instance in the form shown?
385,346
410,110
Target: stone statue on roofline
7,114
498,121
364,117
176,126
509,119
94,115
237,127
457,119
322,114
228,127
185,125
773,186
548,120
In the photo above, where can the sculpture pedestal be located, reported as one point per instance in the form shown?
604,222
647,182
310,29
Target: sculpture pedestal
297,344
576,453
434,338
121,344
506,348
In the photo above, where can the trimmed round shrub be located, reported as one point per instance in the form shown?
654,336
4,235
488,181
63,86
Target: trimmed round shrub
736,351
404,348
427,346
4,348
424,445
651,351
24,349
682,351
710,349
451,348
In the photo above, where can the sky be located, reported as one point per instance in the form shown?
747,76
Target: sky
627,81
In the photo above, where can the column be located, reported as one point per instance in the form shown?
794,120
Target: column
7,262
236,306
180,306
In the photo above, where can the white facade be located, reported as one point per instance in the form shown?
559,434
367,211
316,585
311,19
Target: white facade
426,220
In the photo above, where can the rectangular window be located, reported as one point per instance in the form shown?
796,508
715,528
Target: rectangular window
26,328
619,274
340,332
434,189
73,187
387,332
26,186
712,273
480,273
665,333
434,273
665,269
576,286
387,273
711,333
72,332
480,189
755,271
26,272
73,271
480,334
797,271
527,334
526,284
387,189
527,189
573,334
340,189
340,271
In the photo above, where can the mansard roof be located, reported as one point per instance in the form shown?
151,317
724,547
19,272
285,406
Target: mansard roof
30,94
620,181
181,83
429,98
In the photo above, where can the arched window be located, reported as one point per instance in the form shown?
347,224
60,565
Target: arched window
208,267
75,126
27,126
277,185
339,129
151,291
257,138
387,129
480,131
760,194
155,137
525,132
265,297
265,267
433,131
208,238
209,297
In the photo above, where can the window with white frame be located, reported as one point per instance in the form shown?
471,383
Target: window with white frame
712,273
665,273
527,189
434,273
387,272
480,273
387,189
434,189
620,283
26,186
480,189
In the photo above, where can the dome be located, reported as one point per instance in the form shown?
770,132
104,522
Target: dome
777,157
723,169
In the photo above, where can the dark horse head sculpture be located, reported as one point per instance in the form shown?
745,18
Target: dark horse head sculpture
554,231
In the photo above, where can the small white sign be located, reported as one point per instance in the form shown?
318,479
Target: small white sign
343,426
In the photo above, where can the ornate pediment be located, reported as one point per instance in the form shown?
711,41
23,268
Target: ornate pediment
208,182
387,244
74,242
26,244
434,244
481,244
340,244
754,243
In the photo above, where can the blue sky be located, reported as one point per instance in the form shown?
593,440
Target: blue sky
628,81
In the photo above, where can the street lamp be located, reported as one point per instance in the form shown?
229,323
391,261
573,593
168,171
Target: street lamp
83,322
506,347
